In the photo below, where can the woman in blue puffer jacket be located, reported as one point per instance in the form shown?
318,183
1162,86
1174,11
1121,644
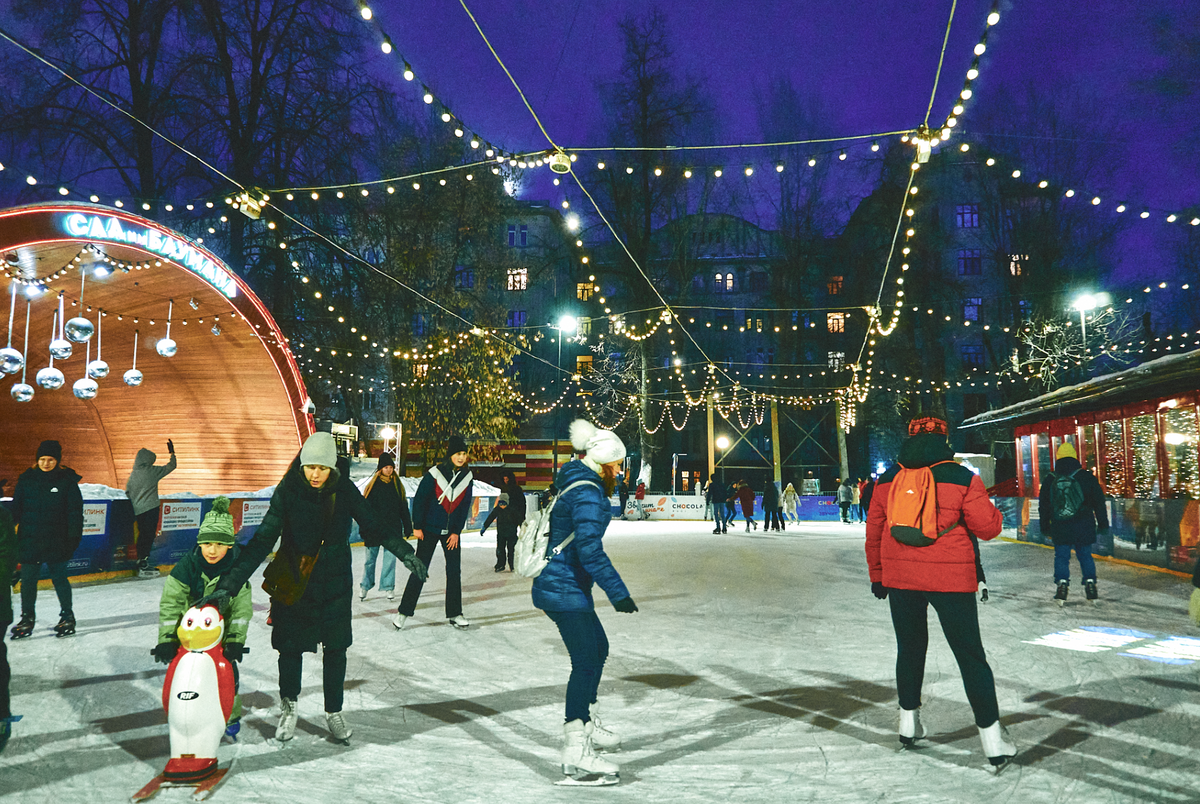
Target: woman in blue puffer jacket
564,590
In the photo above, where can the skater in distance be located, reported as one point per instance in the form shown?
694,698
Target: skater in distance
563,591
924,557
1071,506
142,491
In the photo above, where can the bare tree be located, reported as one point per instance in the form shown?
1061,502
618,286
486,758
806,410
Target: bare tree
1057,350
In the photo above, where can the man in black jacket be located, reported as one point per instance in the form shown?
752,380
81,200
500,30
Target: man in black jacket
1071,507
47,508
717,492
508,515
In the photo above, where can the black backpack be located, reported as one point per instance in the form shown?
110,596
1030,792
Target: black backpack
1067,496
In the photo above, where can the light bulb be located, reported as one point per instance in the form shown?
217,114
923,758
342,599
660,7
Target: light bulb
965,94
408,73
366,12
428,98
386,46
874,146
993,18
842,156
980,48
972,74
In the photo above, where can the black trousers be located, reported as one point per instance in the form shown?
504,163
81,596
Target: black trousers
412,590
772,519
146,526
29,586
960,623
5,675
333,677
587,645
506,546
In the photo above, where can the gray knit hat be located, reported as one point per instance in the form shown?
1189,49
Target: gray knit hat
319,450
217,527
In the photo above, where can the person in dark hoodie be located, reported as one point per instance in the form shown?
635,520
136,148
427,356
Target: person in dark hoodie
311,580
385,494
940,574
563,590
770,503
8,562
47,508
508,515
440,509
718,493
142,491
1070,509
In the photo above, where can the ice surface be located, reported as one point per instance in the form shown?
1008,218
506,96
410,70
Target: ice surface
759,669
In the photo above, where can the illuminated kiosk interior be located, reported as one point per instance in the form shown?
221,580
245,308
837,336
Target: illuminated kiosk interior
231,397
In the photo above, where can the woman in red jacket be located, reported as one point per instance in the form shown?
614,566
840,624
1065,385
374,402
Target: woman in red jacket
941,574
746,497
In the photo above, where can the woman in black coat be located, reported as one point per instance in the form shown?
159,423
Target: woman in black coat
309,516
47,508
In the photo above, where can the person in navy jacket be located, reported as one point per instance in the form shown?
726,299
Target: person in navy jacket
563,590
439,514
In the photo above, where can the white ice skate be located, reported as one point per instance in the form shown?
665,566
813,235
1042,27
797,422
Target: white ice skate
398,620
997,747
287,720
601,737
911,728
580,764
460,622
338,728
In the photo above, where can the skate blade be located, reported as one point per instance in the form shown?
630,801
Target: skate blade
589,780
998,764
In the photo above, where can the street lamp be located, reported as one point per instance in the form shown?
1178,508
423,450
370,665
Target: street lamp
722,444
566,324
1084,303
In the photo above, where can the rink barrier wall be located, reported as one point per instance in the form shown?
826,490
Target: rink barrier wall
107,546
1153,533
690,506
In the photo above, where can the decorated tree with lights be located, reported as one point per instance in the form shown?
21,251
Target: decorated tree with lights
1057,350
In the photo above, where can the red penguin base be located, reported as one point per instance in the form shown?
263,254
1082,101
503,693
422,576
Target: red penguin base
189,769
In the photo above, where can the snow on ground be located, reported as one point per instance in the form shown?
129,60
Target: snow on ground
759,669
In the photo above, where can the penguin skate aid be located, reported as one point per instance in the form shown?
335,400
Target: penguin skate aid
563,589
198,698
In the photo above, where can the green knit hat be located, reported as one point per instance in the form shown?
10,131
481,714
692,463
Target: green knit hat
217,527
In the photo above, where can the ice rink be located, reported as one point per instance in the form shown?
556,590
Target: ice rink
759,669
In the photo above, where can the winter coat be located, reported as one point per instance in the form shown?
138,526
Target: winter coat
508,519
639,493
717,493
47,508
845,494
790,498
142,486
746,495
770,496
8,563
432,511
963,510
314,522
868,490
193,578
566,582
1081,528
389,502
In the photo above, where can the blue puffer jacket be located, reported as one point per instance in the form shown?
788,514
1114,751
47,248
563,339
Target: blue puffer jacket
566,582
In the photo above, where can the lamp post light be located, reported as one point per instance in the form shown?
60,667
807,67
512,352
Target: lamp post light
567,324
722,444
1084,303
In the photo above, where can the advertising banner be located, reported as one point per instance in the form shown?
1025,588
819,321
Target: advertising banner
180,515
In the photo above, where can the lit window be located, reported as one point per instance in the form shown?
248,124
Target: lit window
835,285
835,322
1016,263
723,283
966,216
970,262
583,364
584,290
837,360
518,279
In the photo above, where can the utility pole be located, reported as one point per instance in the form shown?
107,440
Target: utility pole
775,442
712,461
841,442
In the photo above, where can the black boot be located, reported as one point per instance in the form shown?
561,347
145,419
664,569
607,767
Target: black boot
66,624
24,628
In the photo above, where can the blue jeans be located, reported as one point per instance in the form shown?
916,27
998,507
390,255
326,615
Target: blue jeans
587,645
1062,561
387,573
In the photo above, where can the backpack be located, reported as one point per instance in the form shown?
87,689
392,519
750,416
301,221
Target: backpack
912,507
533,552
1066,495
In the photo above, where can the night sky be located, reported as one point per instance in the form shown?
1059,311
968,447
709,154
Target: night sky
871,61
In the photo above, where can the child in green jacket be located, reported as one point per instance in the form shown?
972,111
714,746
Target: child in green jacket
196,576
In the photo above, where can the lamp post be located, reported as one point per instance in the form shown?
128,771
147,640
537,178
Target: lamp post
675,469
1084,303
722,444
566,323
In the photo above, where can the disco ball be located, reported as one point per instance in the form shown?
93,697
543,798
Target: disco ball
80,330
22,392
166,347
60,349
50,378
97,369
10,360
133,377
85,388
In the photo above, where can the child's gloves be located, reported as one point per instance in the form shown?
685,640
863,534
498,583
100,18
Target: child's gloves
164,652
218,600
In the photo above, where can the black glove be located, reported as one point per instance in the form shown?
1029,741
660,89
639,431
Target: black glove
219,600
879,590
416,566
170,446
164,652
626,606
234,651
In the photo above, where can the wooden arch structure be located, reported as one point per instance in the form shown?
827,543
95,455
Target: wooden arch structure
231,398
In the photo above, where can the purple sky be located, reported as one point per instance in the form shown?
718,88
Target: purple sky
871,61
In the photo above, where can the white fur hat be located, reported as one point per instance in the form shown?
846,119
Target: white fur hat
601,446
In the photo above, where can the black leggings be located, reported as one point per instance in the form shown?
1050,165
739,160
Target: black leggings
29,586
412,590
5,673
960,623
587,645
147,527
333,677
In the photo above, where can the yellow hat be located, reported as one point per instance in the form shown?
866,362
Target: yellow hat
1067,450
